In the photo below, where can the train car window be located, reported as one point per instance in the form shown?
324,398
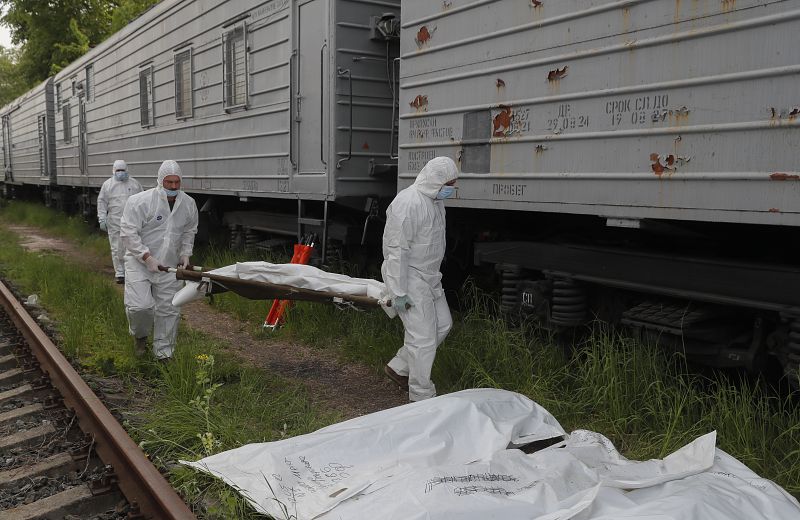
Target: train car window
183,84
66,116
89,83
58,96
74,81
235,67
146,96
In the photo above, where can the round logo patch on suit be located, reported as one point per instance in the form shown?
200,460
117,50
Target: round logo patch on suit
159,217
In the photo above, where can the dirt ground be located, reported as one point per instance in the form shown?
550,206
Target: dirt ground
35,240
349,388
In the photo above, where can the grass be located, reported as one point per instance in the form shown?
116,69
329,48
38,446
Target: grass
179,418
646,401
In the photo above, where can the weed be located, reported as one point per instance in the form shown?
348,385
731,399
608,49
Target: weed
206,386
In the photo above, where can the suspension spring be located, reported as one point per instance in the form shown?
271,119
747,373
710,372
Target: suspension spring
570,304
251,238
511,276
235,233
792,368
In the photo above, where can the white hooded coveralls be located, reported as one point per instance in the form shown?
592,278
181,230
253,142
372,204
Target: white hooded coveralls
413,250
110,203
148,226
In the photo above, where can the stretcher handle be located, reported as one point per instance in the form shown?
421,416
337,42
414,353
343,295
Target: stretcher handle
167,269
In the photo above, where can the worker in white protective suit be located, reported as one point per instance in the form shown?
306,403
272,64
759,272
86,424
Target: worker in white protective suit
413,250
158,229
110,203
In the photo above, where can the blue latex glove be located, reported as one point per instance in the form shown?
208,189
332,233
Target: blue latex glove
103,226
402,302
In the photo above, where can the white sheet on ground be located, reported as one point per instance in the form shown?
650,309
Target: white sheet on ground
310,474
598,452
509,486
728,490
446,458
295,275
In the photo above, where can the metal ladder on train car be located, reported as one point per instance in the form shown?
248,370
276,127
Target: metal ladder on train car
303,222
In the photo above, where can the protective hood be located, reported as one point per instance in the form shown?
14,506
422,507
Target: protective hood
438,172
119,164
168,167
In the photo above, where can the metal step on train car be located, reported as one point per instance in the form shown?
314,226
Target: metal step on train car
629,159
280,113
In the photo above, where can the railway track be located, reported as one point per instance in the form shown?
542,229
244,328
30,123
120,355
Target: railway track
62,453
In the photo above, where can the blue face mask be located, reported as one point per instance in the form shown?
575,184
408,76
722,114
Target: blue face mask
171,193
445,192
121,176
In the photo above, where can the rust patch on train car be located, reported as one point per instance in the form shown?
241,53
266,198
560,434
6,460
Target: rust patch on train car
365,146
500,83
501,123
728,5
626,19
780,176
676,116
446,5
774,210
537,3
557,74
540,148
420,103
787,113
424,35
667,163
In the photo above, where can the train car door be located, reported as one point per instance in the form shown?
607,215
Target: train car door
82,159
312,83
7,171
44,148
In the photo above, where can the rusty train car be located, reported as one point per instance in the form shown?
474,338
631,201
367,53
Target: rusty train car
632,160
635,160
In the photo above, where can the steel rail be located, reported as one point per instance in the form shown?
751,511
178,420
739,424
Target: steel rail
139,480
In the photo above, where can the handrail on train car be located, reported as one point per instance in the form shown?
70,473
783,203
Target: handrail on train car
395,112
341,72
291,98
322,103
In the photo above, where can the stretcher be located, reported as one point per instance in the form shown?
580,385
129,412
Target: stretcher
257,290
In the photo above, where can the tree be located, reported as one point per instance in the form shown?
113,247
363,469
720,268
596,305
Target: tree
129,10
54,32
74,48
11,83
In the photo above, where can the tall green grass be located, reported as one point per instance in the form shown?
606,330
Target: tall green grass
248,406
647,401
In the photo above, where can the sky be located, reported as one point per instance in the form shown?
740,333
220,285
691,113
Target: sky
5,35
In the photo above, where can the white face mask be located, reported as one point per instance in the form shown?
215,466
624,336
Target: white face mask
121,175
445,192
